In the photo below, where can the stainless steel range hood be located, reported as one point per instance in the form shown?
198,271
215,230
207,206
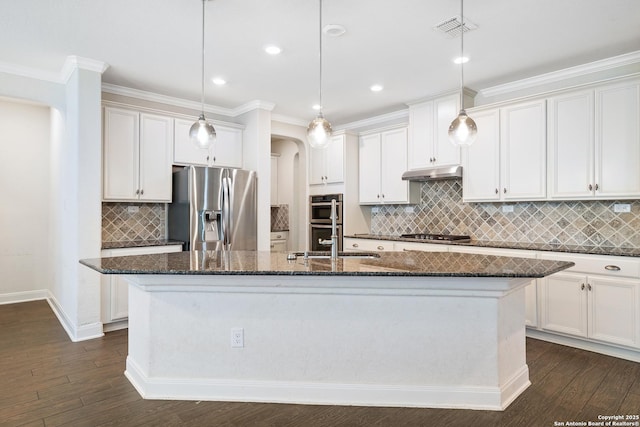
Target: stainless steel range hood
434,173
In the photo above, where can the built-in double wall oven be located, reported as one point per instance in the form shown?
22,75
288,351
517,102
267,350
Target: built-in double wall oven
320,220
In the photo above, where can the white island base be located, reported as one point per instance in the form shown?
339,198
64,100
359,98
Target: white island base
450,342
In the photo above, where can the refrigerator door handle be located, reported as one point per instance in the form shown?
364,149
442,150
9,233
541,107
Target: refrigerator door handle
226,212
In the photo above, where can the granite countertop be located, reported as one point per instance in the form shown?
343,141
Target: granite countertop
421,264
140,243
576,249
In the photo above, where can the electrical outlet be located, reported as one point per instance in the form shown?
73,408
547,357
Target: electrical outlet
133,209
409,209
375,209
507,208
237,337
622,207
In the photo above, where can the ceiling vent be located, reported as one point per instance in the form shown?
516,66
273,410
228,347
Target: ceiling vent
450,28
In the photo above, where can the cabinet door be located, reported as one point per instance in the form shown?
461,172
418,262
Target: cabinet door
369,169
444,152
481,160
156,134
420,148
393,164
334,160
618,140
571,146
120,154
184,151
227,149
564,304
531,304
523,151
316,166
614,310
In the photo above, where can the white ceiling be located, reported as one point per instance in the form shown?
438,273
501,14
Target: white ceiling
154,45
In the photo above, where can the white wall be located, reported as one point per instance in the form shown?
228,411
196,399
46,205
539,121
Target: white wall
291,189
24,191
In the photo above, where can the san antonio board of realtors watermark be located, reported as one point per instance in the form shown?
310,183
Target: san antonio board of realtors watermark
604,421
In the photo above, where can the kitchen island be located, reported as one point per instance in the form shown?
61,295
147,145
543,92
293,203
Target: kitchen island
401,329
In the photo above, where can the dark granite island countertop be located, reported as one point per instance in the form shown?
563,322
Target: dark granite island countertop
439,264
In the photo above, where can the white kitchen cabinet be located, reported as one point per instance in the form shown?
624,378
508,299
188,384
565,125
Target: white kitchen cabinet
327,164
114,291
507,162
523,142
279,241
598,299
481,160
226,151
429,143
351,244
136,156
422,247
594,143
382,161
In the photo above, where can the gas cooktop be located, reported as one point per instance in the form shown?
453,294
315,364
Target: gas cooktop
427,237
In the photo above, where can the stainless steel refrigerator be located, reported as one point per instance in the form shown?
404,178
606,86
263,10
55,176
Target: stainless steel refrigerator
214,208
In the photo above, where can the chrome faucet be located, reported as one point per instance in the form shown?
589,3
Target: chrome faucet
334,232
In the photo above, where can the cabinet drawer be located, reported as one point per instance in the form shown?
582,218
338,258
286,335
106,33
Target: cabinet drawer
598,264
367,245
279,235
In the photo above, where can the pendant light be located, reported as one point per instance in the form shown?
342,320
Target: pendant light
319,130
202,133
463,130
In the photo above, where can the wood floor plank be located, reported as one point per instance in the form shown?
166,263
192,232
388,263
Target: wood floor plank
45,380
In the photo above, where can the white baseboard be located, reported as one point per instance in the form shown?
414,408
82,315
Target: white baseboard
483,398
76,333
596,347
26,296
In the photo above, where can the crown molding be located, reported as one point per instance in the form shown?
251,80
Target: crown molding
32,73
564,74
373,121
253,105
73,63
289,120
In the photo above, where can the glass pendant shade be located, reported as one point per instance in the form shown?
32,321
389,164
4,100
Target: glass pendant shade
202,134
319,132
463,130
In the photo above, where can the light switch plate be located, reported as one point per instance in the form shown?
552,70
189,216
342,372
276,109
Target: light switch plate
375,209
409,209
507,208
133,209
622,207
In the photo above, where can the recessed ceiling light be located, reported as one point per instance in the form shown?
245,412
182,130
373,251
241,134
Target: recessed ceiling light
334,30
219,81
461,60
376,88
272,50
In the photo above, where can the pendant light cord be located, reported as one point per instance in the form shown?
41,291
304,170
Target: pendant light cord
320,53
202,70
461,54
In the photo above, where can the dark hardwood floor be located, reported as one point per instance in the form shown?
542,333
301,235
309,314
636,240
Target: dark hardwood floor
47,380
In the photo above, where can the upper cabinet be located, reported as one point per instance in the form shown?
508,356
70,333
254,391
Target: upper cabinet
594,143
226,151
327,164
508,159
429,143
383,160
136,156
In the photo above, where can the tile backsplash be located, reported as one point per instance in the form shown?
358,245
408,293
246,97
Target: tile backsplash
144,221
279,217
441,210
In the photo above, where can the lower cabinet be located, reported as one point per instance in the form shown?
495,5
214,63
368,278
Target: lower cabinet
115,293
279,241
370,245
591,306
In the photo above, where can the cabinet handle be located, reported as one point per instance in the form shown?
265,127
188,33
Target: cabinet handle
589,286
504,190
141,192
497,191
207,158
582,287
611,267
430,159
590,187
137,192
597,187
355,245
383,196
279,236
378,196
214,159
381,248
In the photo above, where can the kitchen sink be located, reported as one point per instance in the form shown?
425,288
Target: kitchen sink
326,254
